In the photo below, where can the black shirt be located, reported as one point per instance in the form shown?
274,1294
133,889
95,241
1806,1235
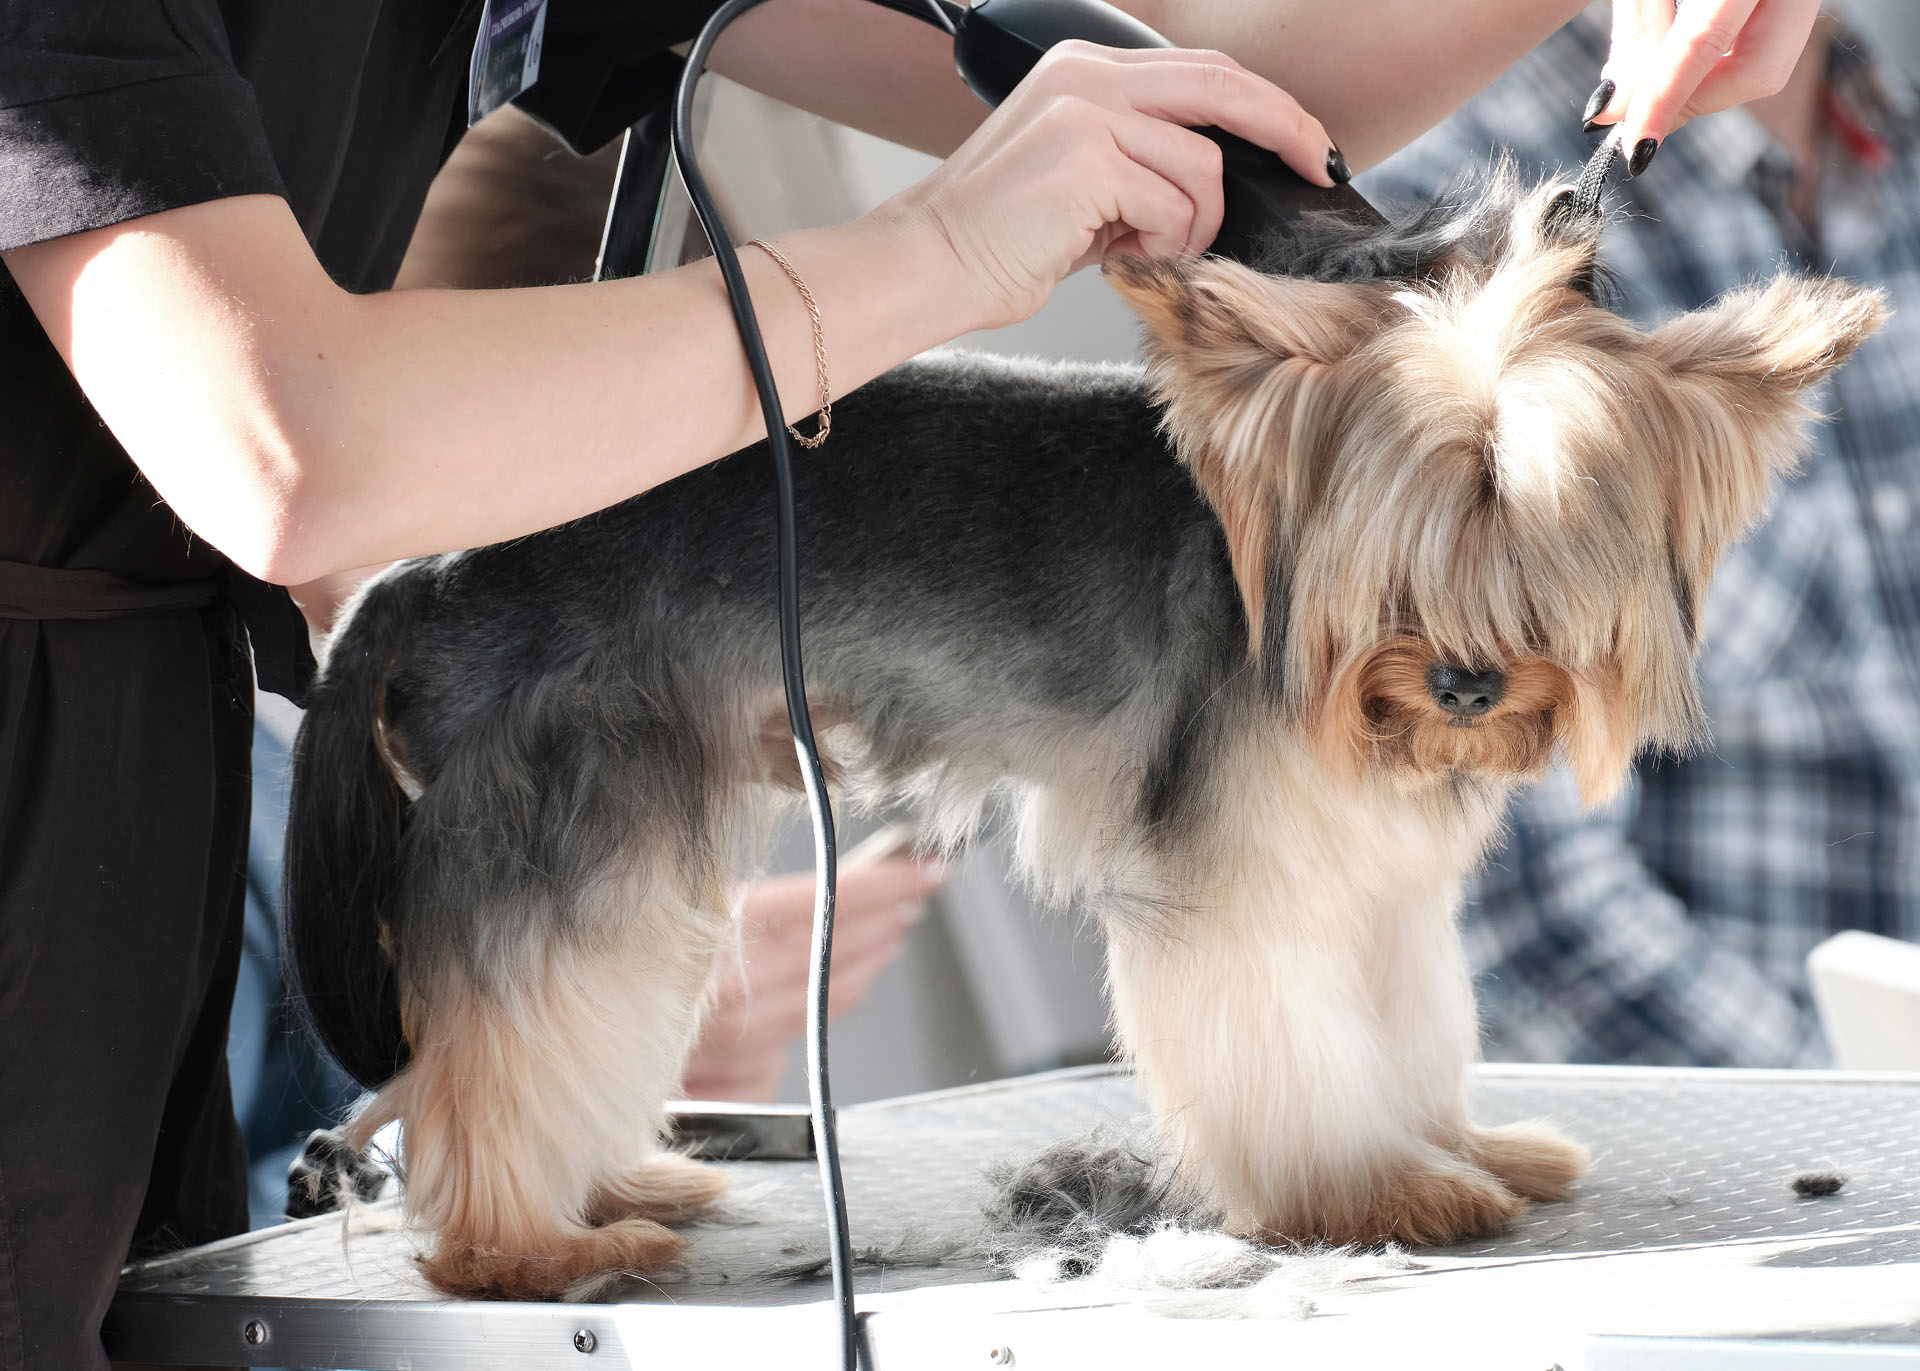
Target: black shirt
111,109
124,734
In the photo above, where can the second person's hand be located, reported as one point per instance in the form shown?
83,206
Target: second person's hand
1668,66
759,1000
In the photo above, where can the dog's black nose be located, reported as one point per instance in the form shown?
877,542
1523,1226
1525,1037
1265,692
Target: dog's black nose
1462,693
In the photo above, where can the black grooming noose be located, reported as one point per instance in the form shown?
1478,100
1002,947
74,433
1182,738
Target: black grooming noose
1592,183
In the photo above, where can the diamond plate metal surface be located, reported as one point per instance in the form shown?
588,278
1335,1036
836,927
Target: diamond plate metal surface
1686,1230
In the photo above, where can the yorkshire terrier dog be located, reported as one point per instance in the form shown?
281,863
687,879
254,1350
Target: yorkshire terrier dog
1431,519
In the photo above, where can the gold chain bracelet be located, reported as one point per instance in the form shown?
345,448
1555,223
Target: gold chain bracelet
819,349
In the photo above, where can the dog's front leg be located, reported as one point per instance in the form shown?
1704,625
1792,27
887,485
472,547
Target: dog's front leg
1426,1007
1286,1095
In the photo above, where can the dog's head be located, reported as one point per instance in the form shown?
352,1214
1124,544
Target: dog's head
1472,514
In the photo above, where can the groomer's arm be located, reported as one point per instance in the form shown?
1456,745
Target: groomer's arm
1377,73
302,429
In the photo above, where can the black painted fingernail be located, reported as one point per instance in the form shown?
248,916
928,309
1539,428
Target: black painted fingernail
1337,171
1602,94
1642,155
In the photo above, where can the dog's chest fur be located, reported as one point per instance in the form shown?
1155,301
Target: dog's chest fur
1284,845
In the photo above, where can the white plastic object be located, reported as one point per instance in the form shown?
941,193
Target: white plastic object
1867,989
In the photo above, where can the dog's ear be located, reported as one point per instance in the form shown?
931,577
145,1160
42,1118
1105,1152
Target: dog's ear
1207,313
1725,413
1779,338
1241,357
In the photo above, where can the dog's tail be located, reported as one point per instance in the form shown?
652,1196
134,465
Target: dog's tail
345,825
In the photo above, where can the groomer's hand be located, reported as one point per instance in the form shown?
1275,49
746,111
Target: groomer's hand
760,1002
1094,153
1668,66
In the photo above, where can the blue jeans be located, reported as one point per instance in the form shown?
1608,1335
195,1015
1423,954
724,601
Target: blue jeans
284,1084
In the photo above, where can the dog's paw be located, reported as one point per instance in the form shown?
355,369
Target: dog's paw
1418,1203
571,1265
1429,1204
328,1171
1531,1159
667,1188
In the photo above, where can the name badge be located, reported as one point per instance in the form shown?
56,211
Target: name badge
506,54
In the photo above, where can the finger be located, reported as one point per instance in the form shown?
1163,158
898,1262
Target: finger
1638,27
849,994
778,1012
759,1087
1125,193
876,899
895,840
731,1072
778,965
889,882
1183,157
1703,32
842,1005
775,967
893,881
1762,60
775,1026
770,1008
776,900
780,908
868,940
1196,94
870,959
725,1021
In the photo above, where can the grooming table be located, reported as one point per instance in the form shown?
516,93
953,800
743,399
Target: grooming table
1684,1248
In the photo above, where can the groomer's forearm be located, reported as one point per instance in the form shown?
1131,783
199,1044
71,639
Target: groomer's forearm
477,416
1376,73
303,430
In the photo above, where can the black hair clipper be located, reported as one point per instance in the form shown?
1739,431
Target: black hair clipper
997,42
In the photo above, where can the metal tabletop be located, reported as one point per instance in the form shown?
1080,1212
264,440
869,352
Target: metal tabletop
1685,1247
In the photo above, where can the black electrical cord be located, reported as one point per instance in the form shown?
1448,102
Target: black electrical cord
944,15
819,1084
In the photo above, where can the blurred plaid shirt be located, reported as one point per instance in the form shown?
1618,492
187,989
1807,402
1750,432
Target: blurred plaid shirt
1674,927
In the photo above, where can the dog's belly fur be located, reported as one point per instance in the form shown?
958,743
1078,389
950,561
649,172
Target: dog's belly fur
1009,588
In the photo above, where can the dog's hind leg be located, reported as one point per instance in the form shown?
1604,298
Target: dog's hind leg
533,1108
